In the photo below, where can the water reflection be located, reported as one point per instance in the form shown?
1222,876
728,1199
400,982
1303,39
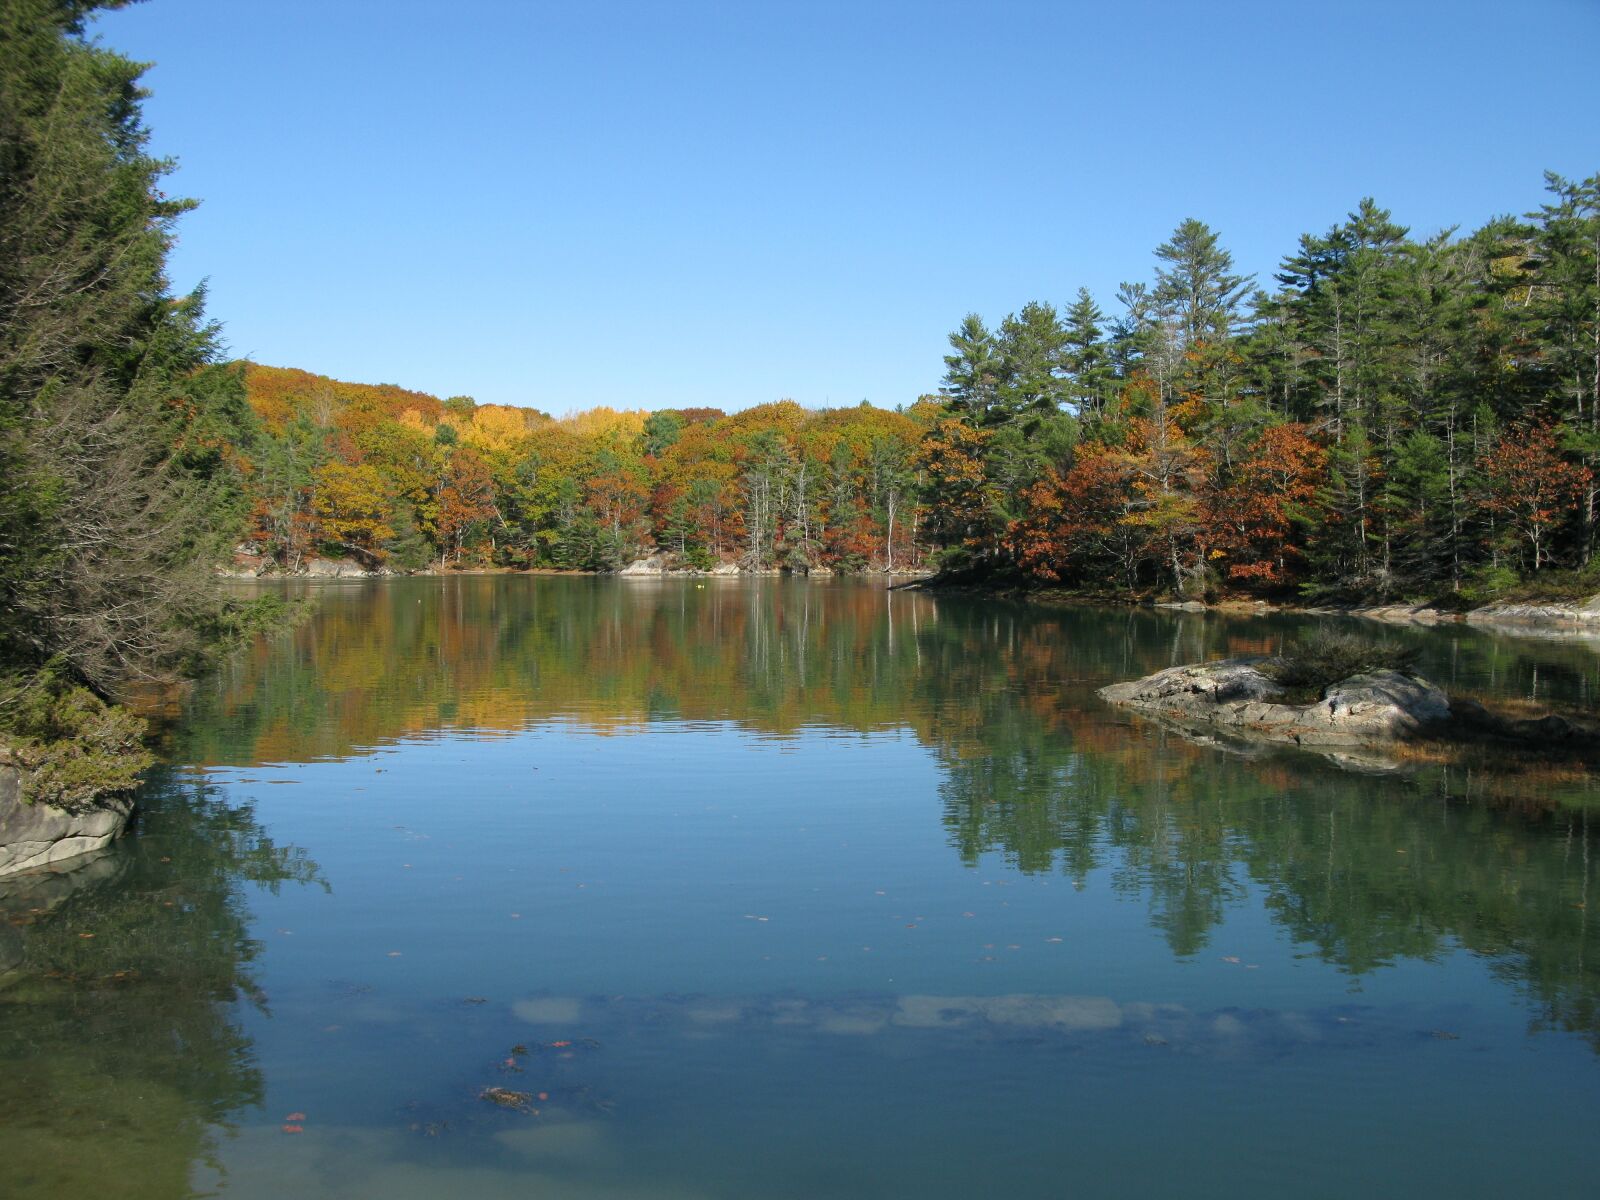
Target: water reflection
1366,872
119,979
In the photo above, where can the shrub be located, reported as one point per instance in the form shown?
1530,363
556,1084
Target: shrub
73,747
1318,662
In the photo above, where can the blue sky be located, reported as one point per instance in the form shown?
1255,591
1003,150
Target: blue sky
652,205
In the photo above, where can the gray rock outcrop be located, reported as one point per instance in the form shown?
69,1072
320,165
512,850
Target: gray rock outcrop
1236,695
1578,613
33,836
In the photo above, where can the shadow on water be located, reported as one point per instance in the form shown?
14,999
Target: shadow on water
120,974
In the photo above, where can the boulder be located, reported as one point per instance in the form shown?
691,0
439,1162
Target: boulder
656,564
335,568
1238,696
34,836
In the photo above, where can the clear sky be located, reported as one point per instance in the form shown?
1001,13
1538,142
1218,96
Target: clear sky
665,204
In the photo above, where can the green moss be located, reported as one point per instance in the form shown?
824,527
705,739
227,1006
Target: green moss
72,747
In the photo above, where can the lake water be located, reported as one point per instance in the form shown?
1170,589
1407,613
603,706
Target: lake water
773,889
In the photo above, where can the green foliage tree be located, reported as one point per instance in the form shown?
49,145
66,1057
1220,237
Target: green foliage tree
120,445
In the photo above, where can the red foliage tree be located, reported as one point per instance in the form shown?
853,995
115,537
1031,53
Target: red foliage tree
1251,518
1531,488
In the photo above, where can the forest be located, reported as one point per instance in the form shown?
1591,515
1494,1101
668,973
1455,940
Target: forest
1391,417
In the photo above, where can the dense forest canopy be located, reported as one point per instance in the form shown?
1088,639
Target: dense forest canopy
1392,417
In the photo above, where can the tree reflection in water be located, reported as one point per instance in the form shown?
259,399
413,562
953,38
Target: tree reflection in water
119,979
1367,870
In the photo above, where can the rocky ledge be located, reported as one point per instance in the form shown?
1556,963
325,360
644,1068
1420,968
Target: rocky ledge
1237,704
1237,695
35,836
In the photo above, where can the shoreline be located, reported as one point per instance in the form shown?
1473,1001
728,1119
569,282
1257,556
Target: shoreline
1549,617
640,569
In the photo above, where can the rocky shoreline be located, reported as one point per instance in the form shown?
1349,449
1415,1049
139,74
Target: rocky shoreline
37,836
658,565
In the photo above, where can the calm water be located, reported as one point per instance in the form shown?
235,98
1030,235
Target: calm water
798,890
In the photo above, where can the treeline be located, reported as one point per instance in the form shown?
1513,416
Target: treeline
1393,417
403,479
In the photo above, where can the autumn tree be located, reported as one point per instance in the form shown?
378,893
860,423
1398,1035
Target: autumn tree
961,511
1252,520
1532,489
350,509
466,503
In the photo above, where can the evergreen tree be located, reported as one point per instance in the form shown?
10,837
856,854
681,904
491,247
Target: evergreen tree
1085,358
974,371
119,451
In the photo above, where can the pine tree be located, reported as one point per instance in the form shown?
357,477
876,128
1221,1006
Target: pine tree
119,451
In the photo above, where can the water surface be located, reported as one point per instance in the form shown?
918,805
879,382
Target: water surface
776,889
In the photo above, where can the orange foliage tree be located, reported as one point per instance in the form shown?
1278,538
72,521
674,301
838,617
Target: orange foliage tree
961,508
465,500
1251,518
1531,488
